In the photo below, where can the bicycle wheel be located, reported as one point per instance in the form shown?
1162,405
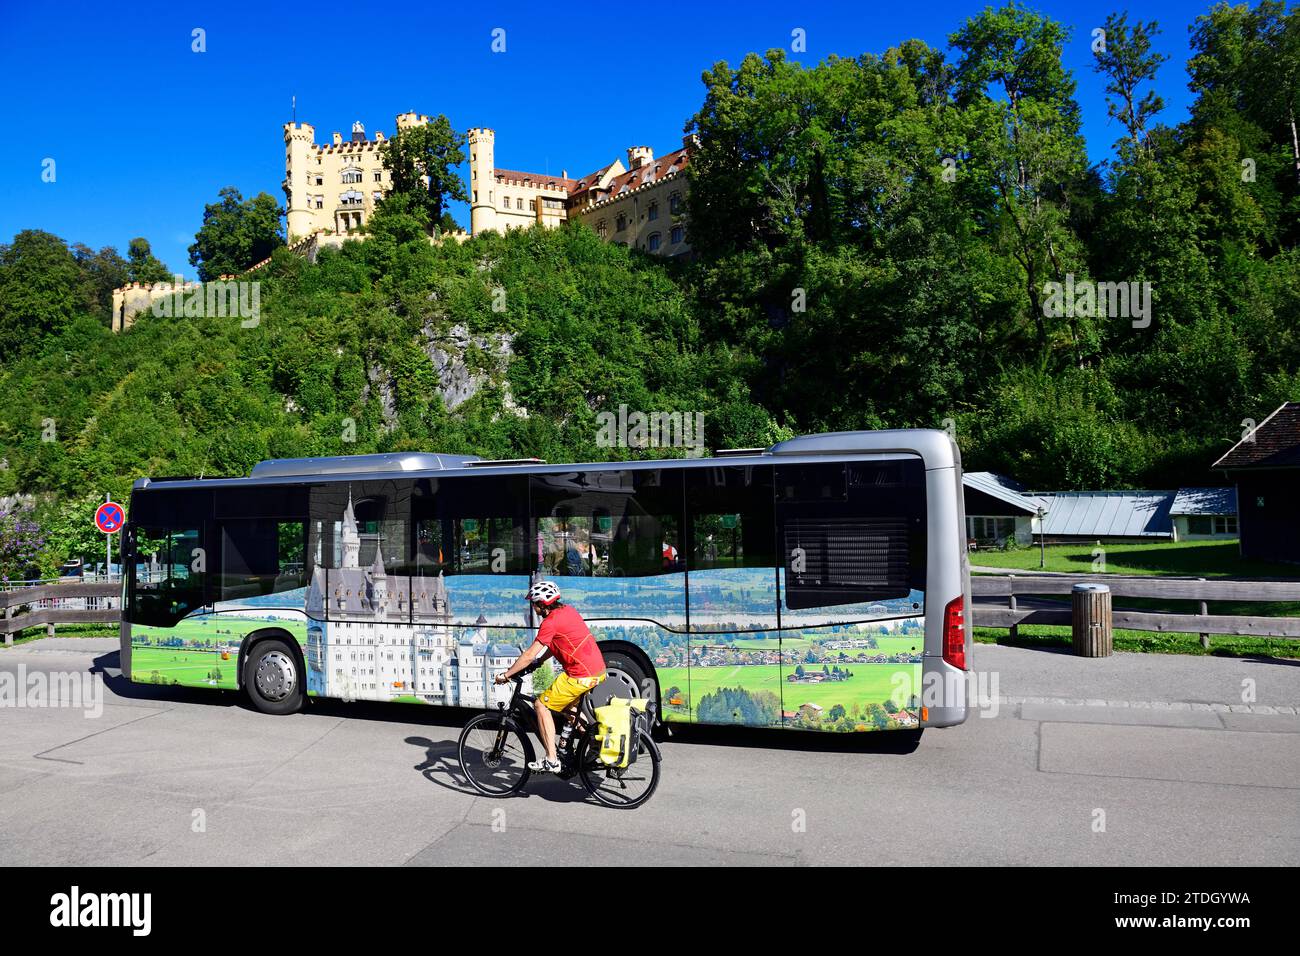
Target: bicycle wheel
491,770
623,789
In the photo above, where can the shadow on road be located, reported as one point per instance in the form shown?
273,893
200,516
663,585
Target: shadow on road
440,757
442,767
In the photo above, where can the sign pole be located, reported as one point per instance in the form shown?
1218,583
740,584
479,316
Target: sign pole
108,549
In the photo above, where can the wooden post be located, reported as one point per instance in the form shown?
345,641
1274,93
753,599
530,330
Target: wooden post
9,634
1090,620
1015,628
1205,637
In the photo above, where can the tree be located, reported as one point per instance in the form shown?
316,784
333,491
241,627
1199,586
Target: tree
1025,148
145,266
236,233
421,161
1127,61
41,288
104,271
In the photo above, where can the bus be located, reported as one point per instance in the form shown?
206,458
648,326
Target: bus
819,584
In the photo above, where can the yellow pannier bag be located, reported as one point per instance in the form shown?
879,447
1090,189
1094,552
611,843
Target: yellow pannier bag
619,725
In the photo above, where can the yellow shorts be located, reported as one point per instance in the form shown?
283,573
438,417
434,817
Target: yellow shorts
565,690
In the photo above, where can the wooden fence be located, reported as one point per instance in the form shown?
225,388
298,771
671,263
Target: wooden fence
1012,586
51,604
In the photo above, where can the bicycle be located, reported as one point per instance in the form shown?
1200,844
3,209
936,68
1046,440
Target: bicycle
494,751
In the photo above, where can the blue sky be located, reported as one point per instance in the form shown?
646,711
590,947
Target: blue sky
143,131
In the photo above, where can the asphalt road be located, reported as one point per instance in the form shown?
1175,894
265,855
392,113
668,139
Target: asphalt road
1135,759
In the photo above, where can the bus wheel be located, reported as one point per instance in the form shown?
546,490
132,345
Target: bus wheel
627,678
272,679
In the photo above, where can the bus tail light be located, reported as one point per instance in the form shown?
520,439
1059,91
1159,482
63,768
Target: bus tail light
954,632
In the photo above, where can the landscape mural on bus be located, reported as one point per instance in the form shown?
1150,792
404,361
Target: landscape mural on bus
370,635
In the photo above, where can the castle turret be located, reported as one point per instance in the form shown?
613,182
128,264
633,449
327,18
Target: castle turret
351,538
638,156
299,144
482,180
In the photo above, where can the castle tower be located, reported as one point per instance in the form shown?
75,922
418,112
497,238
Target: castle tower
482,180
351,538
299,145
379,582
638,156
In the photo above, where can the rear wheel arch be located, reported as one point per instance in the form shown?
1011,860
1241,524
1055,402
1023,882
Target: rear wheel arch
638,657
253,638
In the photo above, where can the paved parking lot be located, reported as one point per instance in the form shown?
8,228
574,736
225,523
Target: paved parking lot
1136,759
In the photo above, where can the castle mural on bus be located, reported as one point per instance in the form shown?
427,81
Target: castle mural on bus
371,635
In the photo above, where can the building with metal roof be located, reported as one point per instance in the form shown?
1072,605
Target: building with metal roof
1265,466
999,508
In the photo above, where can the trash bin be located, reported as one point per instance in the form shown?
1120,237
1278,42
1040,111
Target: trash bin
1090,620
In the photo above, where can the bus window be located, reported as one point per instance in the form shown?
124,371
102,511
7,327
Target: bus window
167,558
261,556
357,540
731,554
853,537
609,537
471,532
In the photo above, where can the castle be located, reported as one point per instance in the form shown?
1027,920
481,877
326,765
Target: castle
375,636
333,189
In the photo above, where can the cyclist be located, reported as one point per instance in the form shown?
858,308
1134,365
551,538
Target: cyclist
564,634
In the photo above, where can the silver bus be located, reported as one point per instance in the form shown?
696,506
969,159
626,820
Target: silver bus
819,584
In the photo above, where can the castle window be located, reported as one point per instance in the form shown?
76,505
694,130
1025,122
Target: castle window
620,223
652,211
320,181
379,176
653,242
675,203
519,203
351,175
678,234
505,202
602,229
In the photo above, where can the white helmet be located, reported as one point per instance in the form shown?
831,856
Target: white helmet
544,592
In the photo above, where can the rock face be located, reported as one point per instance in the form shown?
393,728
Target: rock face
458,380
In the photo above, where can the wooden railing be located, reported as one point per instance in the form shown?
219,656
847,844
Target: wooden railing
52,604
1013,586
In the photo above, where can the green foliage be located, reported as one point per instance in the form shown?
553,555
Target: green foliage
421,162
236,233
145,267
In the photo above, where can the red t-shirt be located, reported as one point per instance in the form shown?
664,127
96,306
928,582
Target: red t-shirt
565,633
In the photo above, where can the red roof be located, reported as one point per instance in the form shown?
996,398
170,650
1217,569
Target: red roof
651,172
540,180
1275,442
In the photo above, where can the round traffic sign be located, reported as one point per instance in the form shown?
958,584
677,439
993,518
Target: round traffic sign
109,517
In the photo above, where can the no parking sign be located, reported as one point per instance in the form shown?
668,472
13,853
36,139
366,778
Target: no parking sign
109,517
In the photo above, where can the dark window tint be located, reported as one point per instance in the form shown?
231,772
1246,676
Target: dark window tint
469,525
608,523
261,556
730,518
851,532
167,556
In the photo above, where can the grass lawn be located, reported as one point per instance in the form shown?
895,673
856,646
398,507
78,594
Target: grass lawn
1201,559
1150,642
65,630
870,683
